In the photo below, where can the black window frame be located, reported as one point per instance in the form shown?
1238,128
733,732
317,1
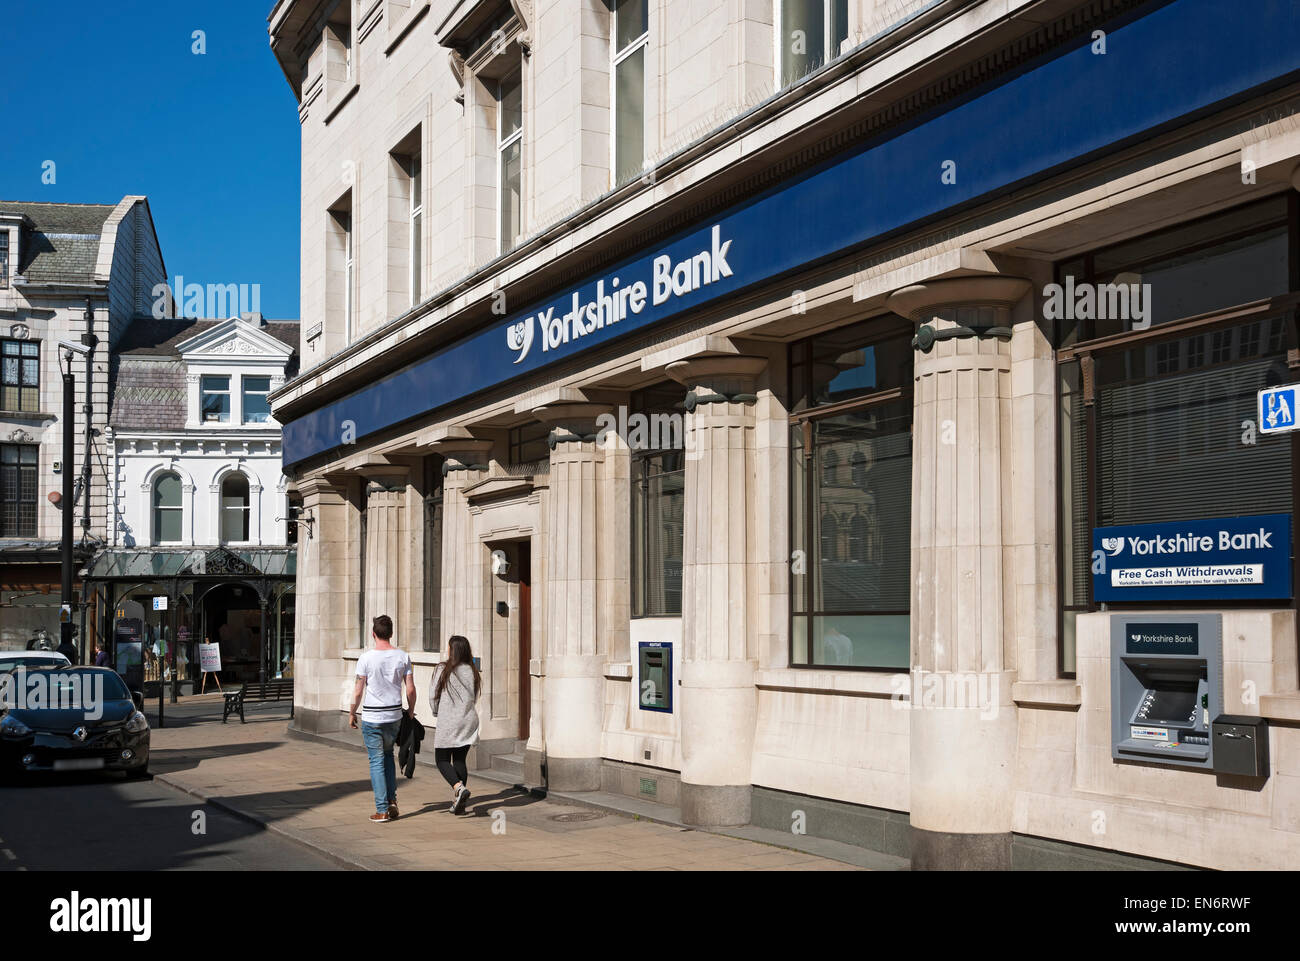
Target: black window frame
14,494
804,413
667,398
1087,346
524,441
13,347
434,518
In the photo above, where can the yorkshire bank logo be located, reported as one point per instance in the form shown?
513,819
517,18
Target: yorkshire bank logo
520,337
616,299
1191,543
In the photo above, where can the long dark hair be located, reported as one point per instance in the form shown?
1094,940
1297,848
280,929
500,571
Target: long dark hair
458,653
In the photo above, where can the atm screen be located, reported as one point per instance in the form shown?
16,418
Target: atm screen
1167,705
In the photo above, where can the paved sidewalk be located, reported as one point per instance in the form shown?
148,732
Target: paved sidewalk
320,795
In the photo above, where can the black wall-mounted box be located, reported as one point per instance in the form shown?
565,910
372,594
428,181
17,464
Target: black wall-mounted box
1240,745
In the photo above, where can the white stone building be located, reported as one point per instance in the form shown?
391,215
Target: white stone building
200,505
189,401
828,238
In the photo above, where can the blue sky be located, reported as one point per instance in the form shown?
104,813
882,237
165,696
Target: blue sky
114,94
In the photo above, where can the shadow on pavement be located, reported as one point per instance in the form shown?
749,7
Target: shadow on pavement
170,760
81,822
506,798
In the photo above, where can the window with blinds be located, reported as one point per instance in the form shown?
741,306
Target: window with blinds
1170,447
1170,434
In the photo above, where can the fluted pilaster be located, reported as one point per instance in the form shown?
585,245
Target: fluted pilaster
576,646
325,598
963,738
719,587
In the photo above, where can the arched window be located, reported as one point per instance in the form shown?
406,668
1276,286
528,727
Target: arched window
234,508
167,509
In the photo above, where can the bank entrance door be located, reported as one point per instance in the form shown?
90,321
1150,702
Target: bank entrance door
505,660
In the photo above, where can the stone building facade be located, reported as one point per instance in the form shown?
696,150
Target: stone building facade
821,245
59,264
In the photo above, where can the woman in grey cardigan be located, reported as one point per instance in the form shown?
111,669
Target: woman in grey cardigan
453,696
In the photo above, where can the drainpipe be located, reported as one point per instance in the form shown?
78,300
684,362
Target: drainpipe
91,341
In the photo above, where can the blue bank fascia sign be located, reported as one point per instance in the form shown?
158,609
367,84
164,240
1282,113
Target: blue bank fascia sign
1050,114
1222,559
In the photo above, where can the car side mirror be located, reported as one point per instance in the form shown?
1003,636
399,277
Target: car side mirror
138,698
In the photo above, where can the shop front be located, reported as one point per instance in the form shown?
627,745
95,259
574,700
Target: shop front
160,606
31,597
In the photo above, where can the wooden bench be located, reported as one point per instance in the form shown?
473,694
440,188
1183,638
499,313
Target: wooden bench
257,691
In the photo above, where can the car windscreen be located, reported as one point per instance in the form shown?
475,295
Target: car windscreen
114,689
10,664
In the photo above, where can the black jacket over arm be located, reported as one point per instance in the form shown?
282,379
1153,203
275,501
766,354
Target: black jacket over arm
409,736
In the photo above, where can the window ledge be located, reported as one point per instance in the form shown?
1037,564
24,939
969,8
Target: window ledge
1059,693
399,27
1280,707
430,658
334,104
846,683
27,415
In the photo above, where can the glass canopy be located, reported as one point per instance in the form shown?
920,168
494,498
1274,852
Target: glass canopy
201,562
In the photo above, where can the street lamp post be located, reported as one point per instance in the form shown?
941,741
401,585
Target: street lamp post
69,405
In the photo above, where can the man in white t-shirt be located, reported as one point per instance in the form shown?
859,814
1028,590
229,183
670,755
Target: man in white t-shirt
383,672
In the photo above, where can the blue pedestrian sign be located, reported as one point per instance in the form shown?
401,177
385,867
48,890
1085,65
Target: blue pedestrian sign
1277,409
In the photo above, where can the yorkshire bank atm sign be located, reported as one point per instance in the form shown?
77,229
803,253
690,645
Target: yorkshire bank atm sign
1231,558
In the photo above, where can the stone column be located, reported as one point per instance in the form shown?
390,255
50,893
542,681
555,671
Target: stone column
388,563
464,461
327,547
720,575
962,720
573,711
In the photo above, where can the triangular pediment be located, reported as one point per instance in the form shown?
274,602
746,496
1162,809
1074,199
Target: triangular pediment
234,338
220,561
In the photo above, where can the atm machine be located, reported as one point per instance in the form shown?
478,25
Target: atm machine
1166,687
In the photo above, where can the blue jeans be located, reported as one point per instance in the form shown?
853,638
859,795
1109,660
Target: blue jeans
380,740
